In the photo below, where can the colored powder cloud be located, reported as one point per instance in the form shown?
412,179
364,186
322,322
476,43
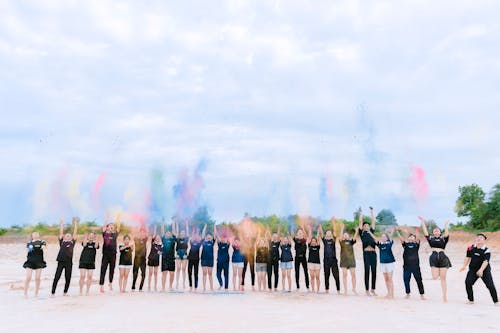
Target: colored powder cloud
187,191
418,183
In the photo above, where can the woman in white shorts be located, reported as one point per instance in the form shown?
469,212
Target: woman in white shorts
386,260
286,263
314,264
237,260
261,261
125,264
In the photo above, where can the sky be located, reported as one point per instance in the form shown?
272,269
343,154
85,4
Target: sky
313,107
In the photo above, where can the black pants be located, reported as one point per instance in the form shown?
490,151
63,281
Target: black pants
252,270
407,272
107,259
370,261
488,281
139,262
272,267
68,267
331,265
223,266
193,265
298,262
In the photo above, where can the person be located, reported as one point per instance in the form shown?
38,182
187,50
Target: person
181,255
369,254
194,260
438,260
65,256
34,262
247,242
330,264
314,263
261,262
140,244
125,264
478,259
286,262
168,256
411,262
347,258
222,259
154,259
110,236
273,261
387,260
237,264
300,257
87,261
207,258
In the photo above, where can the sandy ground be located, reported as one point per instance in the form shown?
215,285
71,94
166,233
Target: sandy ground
248,312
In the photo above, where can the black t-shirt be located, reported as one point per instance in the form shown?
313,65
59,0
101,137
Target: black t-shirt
194,251
329,248
300,247
140,246
126,256
366,239
286,253
66,250
168,247
155,252
262,256
410,254
35,250
274,251
182,243
88,253
109,244
437,242
477,257
314,254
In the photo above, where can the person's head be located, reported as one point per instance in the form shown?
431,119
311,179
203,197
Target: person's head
168,234
366,226
208,237
182,234
261,242
195,237
384,238
223,238
35,235
314,241
285,240
328,234
110,227
480,239
67,237
275,237
436,232
142,232
126,239
412,238
157,239
236,242
346,236
300,234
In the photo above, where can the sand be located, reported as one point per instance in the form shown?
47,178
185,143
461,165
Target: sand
248,312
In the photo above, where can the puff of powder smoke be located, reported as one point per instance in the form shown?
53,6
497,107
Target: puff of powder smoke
187,190
418,183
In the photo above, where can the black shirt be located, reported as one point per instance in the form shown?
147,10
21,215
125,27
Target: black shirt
314,254
366,239
286,253
274,251
109,244
410,254
262,255
168,247
88,253
300,247
154,253
126,256
329,248
182,243
478,256
66,250
194,251
140,246
437,242
35,250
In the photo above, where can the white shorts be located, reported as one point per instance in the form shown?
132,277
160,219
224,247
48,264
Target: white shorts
125,266
313,266
387,268
237,265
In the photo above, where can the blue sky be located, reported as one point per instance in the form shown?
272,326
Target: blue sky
273,95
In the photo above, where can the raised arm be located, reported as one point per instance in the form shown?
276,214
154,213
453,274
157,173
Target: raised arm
446,231
204,232
360,218
334,226
162,226
174,227
373,218
267,234
84,241
342,226
105,223
401,238
75,227
320,231
61,228
118,223
356,233
187,227
424,226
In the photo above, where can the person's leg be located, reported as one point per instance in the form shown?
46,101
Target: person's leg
68,269
326,268
373,266
183,269
366,262
90,272
178,267
29,274
155,276
142,266
269,275
226,275
335,273
442,276
171,280
190,274
125,279
289,278
313,282
150,274
196,265
163,279
276,271
135,271
488,281
59,270
210,272
240,277
218,274
297,272
406,280
245,265
104,267
435,273
120,278
83,276
391,285
353,280
344,279
418,277
470,279
306,274
38,274
112,264
252,272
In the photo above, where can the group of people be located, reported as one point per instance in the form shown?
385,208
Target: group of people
263,254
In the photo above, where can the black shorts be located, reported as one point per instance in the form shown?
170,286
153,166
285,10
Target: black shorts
86,265
34,264
439,260
154,262
168,265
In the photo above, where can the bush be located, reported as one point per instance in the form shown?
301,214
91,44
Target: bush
3,231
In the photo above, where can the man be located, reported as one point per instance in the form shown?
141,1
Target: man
110,236
478,259
330,264
369,254
140,257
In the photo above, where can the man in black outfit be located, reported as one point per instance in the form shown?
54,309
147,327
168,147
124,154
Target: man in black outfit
140,257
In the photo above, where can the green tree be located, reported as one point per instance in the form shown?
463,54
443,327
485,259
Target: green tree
471,196
386,217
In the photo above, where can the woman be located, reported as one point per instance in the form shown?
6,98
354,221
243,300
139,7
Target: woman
438,260
330,264
369,254
237,260
274,261
125,264
87,261
314,263
222,259
286,263
300,257
167,257
181,258
34,262
347,258
65,256
110,237
261,261
207,258
411,262
194,260
387,260
140,251
154,260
